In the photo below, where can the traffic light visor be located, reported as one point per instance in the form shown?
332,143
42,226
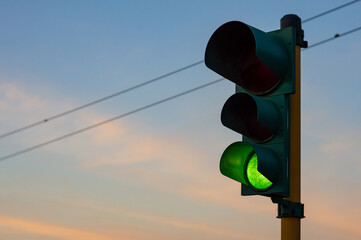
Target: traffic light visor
249,57
251,116
240,162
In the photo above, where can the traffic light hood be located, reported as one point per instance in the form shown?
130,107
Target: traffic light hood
251,58
254,117
255,167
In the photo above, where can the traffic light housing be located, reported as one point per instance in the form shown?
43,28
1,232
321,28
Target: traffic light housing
262,65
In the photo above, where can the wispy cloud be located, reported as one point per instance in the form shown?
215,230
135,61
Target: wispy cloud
25,226
340,219
14,98
203,228
117,144
341,142
231,198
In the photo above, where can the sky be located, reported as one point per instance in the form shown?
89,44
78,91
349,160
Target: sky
155,174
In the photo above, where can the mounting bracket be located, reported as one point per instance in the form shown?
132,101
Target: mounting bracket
288,208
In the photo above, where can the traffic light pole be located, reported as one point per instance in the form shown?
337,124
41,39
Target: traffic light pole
291,225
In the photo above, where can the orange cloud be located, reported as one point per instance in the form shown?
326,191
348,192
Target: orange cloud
45,229
341,143
169,222
14,98
135,147
340,219
231,197
208,229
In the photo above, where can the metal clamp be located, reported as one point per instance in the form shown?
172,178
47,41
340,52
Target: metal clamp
287,208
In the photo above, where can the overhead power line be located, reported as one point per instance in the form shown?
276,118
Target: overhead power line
98,100
333,38
147,106
330,11
34,124
107,121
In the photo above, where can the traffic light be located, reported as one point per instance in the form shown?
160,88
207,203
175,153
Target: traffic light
262,65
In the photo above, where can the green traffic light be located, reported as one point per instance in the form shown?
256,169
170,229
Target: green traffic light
255,178
263,67
239,162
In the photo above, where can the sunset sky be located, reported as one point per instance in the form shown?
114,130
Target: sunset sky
155,174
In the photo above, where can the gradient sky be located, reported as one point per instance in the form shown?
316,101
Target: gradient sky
154,174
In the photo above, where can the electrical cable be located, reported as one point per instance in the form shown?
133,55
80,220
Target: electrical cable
148,82
329,11
107,121
147,106
98,100
333,38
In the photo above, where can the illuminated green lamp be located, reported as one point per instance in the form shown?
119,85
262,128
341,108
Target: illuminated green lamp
240,162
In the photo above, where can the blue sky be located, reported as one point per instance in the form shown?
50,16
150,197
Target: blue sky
155,174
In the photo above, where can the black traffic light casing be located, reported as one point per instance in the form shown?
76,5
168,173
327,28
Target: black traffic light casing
262,65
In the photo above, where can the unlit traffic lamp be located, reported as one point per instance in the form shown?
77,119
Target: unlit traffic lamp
262,65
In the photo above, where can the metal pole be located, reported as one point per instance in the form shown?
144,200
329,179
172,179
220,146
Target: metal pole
291,226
